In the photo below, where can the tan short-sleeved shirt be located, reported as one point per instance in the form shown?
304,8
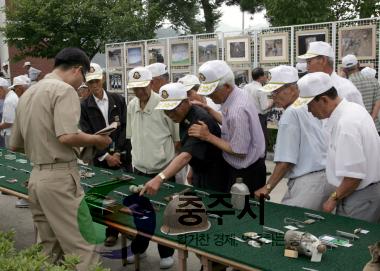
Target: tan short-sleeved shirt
46,111
152,135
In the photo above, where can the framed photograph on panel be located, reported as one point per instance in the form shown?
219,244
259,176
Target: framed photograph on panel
274,47
115,57
156,54
303,39
238,49
115,82
359,41
242,76
207,50
134,56
177,74
180,53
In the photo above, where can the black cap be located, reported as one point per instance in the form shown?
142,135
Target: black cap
72,57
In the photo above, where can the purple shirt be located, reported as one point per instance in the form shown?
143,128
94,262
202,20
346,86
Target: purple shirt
241,128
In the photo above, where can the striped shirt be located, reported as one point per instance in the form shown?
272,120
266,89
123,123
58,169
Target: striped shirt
370,90
241,128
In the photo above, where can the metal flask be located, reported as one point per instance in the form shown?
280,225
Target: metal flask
238,192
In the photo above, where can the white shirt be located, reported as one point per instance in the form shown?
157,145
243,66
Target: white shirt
259,97
103,106
9,110
302,141
354,145
346,89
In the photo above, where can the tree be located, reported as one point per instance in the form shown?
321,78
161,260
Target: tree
293,12
41,28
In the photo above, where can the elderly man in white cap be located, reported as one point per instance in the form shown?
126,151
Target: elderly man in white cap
353,148
301,68
6,70
160,75
368,87
368,72
320,58
205,159
242,140
20,84
153,135
301,145
98,110
31,72
9,110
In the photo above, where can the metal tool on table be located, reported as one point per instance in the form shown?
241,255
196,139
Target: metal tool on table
272,230
253,243
201,193
292,221
315,216
170,197
347,234
168,185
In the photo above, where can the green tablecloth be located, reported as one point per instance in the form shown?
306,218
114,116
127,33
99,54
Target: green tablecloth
217,239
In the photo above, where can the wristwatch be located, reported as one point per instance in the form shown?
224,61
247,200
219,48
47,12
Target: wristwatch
269,187
162,176
334,196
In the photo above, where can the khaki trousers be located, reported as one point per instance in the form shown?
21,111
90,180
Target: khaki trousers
308,191
55,195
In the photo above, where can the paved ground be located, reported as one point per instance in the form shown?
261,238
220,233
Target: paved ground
20,220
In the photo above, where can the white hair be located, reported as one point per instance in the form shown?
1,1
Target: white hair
228,79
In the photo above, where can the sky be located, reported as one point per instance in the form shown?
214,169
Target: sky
232,19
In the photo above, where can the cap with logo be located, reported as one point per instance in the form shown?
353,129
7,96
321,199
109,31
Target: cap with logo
157,69
210,73
368,72
301,67
171,95
311,85
189,81
20,80
280,75
349,61
139,77
27,63
95,72
317,48
4,83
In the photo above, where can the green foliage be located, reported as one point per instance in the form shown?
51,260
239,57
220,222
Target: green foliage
293,12
32,259
42,28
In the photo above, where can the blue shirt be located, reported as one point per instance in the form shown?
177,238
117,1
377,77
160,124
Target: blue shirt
302,141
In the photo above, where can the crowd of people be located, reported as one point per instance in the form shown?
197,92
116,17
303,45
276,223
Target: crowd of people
203,131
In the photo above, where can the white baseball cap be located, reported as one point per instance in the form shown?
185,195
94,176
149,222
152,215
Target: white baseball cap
95,72
157,69
368,72
280,76
301,67
20,81
4,83
171,95
349,61
27,63
139,77
210,73
189,81
311,85
317,48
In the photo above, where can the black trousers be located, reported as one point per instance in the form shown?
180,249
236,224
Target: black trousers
254,176
264,126
141,243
